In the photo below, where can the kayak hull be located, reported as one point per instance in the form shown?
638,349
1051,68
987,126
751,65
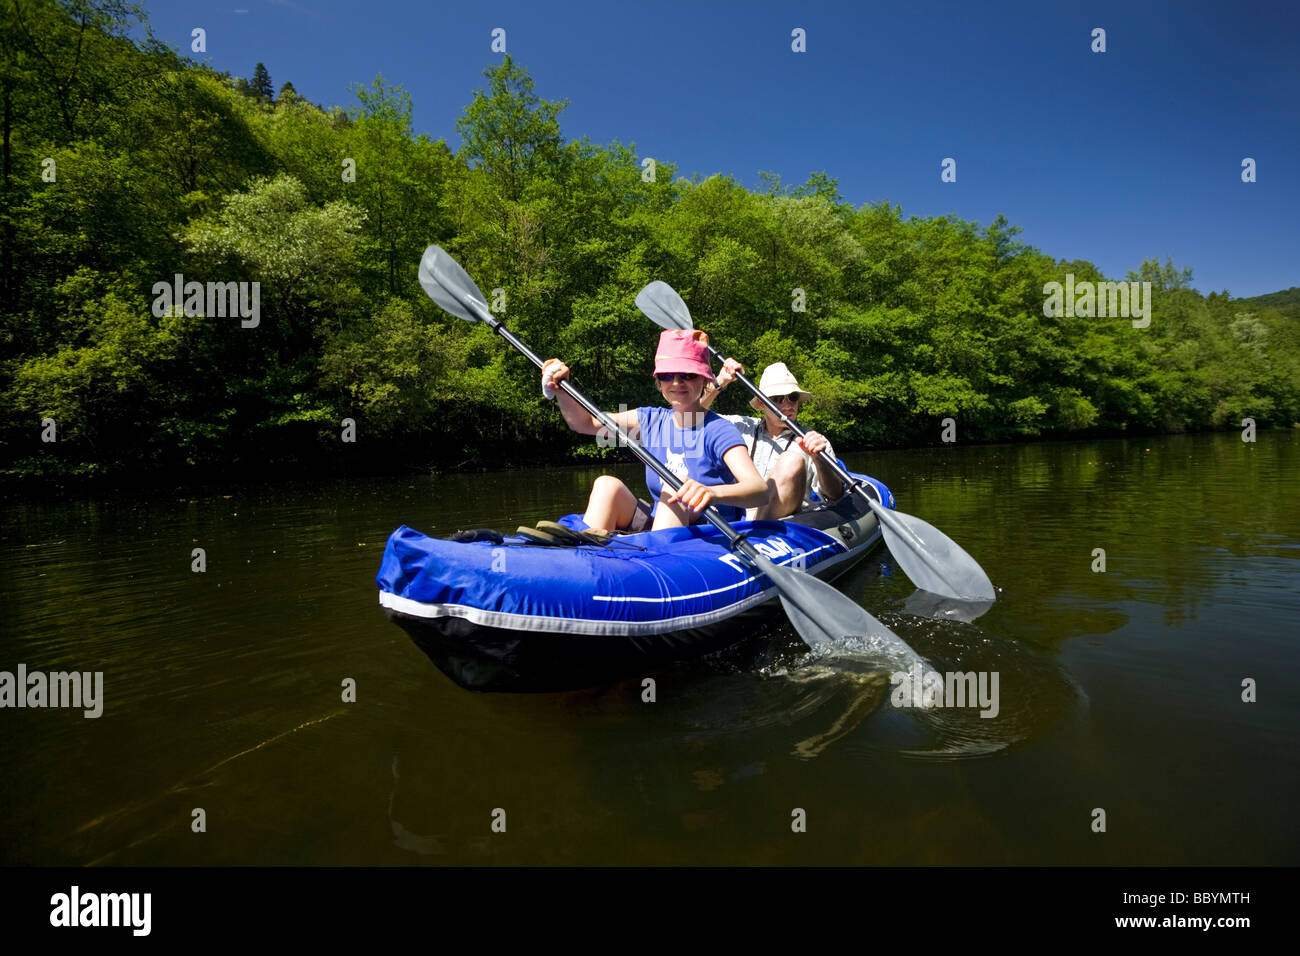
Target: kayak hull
483,658
534,619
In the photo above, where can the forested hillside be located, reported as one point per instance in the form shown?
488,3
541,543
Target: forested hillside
1287,301
124,165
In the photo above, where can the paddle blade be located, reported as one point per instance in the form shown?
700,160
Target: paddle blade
933,561
824,615
450,286
928,604
663,306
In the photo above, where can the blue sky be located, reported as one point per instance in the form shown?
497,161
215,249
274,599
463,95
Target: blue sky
1111,157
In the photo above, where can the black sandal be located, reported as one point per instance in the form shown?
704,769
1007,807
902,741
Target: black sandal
478,534
538,536
567,535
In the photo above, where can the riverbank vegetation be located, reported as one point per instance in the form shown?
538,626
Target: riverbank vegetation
125,165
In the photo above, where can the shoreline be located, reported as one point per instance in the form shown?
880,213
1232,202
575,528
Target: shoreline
196,479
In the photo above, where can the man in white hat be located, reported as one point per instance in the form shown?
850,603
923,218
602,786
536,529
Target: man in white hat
791,465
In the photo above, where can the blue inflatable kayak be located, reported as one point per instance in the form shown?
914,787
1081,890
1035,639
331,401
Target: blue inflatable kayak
516,615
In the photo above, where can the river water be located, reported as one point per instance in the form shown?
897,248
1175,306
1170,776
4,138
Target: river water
1120,691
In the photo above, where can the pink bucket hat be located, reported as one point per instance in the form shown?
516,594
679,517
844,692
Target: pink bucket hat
683,350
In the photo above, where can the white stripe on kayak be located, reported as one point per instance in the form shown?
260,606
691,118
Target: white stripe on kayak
700,594
569,625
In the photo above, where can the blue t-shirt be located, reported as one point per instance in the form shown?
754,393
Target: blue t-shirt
689,452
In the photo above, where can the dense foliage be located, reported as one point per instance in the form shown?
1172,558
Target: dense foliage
124,165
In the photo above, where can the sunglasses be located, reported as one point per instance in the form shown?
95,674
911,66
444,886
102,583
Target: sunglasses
792,399
676,376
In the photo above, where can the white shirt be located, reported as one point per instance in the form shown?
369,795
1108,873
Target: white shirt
765,450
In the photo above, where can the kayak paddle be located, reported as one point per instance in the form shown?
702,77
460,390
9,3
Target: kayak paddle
929,557
818,611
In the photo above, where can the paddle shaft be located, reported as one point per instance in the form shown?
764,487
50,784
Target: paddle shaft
711,513
841,473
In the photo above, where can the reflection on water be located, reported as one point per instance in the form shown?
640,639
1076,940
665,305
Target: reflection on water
1119,688
403,838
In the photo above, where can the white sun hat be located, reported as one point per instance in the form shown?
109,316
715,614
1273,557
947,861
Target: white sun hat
777,380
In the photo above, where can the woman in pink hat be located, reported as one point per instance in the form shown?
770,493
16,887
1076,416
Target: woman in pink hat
703,449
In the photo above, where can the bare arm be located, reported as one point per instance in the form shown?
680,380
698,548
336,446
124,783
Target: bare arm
728,375
829,484
749,490
577,417
832,487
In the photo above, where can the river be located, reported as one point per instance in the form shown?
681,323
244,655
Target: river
223,690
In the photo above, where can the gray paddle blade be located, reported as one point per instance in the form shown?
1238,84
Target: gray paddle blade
448,284
931,559
824,615
663,306
928,604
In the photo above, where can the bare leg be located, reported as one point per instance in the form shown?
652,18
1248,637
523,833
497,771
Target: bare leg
611,505
785,486
675,515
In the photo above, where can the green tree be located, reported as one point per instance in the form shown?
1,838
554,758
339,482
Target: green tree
400,184
260,84
305,260
305,255
509,132
1163,278
80,59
